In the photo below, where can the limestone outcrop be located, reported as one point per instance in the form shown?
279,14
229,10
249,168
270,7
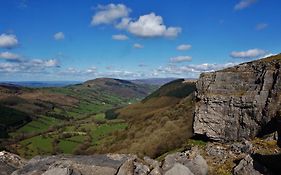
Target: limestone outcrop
240,102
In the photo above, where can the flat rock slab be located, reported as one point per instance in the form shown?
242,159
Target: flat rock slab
79,164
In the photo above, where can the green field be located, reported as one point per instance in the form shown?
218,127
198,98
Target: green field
37,145
67,146
67,138
41,124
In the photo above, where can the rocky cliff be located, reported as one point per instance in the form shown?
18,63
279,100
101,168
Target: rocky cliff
239,102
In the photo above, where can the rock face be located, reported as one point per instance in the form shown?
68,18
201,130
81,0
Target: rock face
239,102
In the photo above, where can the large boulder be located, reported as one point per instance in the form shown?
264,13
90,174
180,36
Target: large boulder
190,159
239,102
179,169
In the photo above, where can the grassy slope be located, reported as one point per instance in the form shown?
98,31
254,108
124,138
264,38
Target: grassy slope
158,124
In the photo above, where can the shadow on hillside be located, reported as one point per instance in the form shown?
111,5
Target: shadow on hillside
271,127
271,162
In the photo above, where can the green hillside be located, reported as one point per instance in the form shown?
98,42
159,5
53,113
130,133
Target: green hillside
159,123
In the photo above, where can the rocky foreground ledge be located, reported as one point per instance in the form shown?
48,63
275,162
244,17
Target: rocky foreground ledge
185,163
213,158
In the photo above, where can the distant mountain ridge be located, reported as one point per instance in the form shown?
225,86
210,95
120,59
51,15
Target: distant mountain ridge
153,81
40,84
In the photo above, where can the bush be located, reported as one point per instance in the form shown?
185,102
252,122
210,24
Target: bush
111,114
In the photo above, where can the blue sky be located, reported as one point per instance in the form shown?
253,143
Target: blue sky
80,40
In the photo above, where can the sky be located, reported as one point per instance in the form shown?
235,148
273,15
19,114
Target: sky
45,40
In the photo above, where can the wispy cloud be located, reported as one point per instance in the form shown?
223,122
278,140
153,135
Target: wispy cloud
28,66
184,47
17,64
251,53
192,69
9,56
120,37
244,4
261,26
180,59
138,46
59,36
107,14
91,70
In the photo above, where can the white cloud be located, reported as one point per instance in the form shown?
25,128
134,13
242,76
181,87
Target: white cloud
9,55
252,53
180,59
120,74
138,46
123,24
72,70
59,36
108,14
194,69
91,70
183,47
43,63
261,26
120,37
29,66
52,63
149,25
8,68
8,41
244,4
